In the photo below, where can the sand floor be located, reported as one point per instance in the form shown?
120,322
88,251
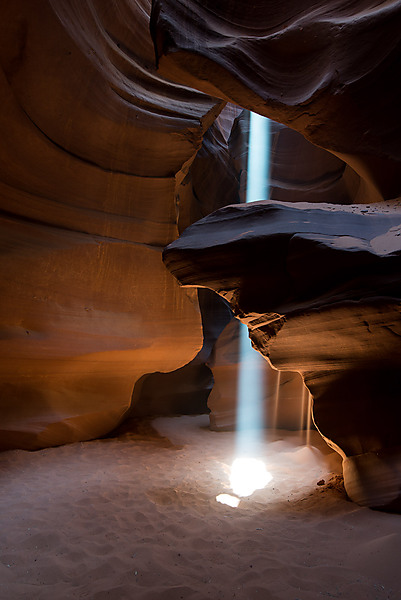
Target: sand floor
136,517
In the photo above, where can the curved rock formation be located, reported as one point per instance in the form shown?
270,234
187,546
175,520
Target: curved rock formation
95,180
93,146
211,182
303,172
320,291
325,69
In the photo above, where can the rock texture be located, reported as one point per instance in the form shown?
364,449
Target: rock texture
94,144
283,392
319,288
98,174
211,181
326,69
303,172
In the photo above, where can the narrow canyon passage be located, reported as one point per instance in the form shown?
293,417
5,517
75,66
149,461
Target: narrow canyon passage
125,138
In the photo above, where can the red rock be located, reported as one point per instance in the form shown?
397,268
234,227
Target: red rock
324,69
92,141
319,290
303,172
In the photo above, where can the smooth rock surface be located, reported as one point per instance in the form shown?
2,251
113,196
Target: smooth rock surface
211,182
319,288
93,146
326,69
303,172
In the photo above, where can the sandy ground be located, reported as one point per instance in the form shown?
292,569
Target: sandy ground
135,517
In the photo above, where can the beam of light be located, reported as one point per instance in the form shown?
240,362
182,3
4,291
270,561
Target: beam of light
250,398
257,186
247,473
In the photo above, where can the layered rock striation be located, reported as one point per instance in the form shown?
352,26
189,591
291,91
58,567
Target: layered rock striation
94,144
303,172
324,69
319,288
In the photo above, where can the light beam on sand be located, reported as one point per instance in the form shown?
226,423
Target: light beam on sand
229,500
248,473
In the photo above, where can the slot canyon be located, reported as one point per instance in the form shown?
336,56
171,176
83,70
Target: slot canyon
133,265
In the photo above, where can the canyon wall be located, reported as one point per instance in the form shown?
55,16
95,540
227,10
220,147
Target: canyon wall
319,289
94,144
108,154
325,69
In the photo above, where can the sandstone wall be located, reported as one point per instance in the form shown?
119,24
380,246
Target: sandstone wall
324,69
93,145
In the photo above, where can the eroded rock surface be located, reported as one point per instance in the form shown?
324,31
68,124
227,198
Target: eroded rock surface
325,69
212,181
303,172
93,146
319,288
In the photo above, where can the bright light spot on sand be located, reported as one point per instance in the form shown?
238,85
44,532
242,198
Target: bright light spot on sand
248,475
232,501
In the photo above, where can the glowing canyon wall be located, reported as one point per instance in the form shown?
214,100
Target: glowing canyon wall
318,287
93,148
116,138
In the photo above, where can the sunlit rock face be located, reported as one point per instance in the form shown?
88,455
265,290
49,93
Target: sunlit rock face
93,146
319,289
212,181
325,69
